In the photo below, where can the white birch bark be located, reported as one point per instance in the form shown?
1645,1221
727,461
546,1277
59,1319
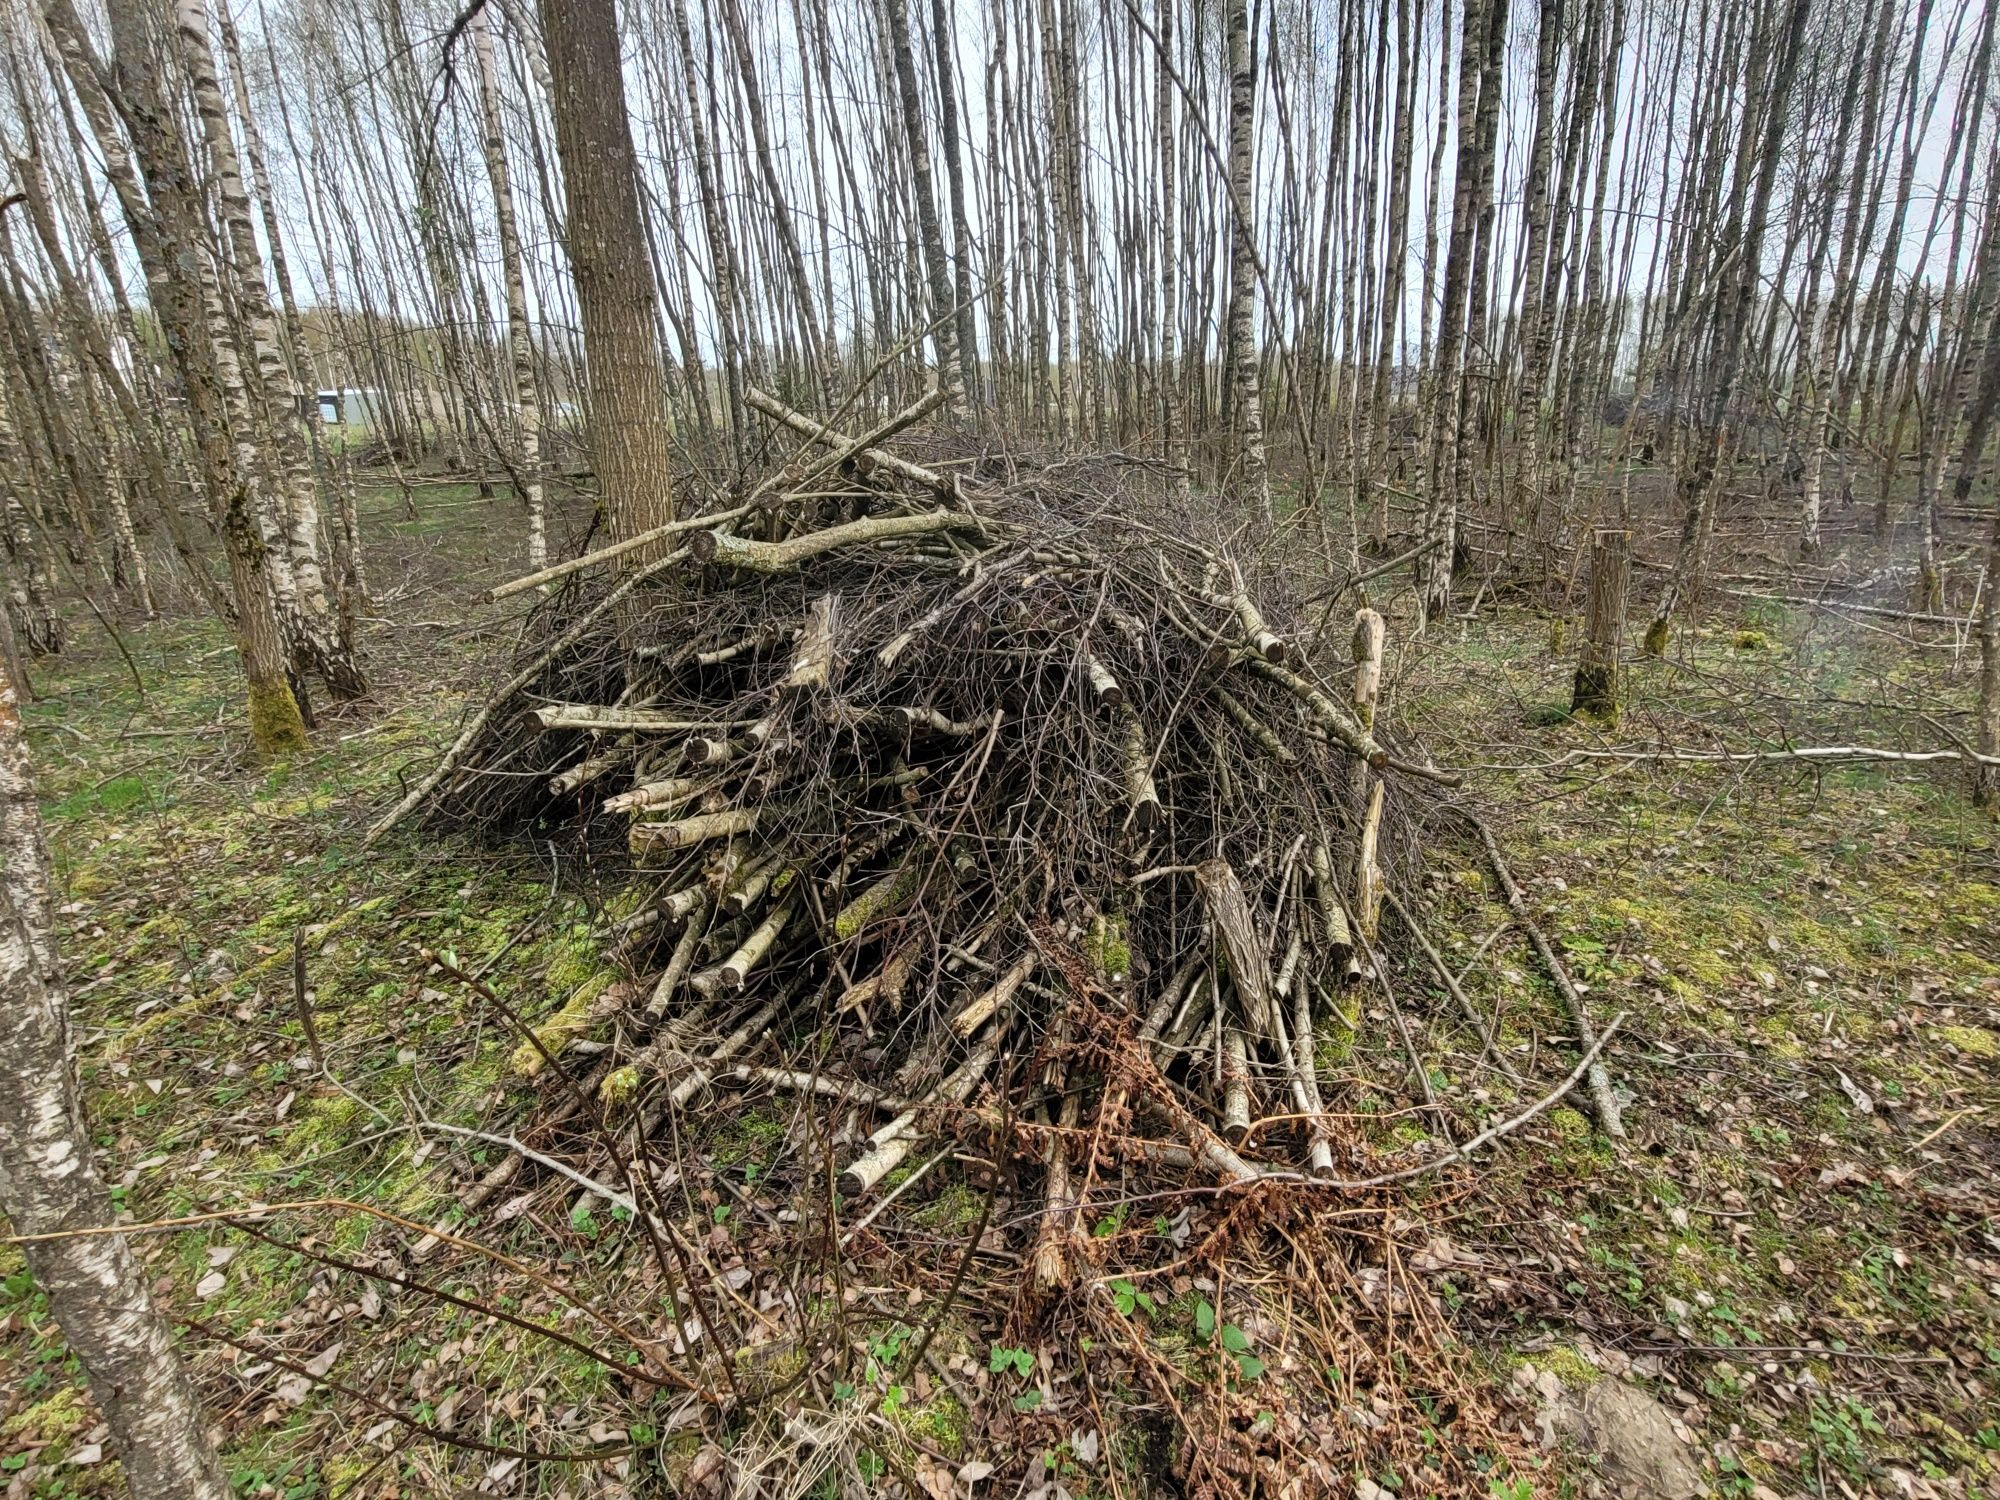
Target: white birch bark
49,1184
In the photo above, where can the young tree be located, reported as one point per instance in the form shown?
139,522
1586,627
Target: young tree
49,1185
1244,389
520,337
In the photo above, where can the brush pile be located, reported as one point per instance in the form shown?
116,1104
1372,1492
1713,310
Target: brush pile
987,767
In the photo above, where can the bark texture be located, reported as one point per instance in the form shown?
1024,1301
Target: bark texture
49,1185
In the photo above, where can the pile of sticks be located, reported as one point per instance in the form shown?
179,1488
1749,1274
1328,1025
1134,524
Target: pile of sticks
933,761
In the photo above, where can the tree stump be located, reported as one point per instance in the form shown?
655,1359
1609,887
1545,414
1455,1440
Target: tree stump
1597,672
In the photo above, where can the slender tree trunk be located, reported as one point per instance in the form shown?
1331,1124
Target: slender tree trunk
167,214
313,629
941,313
520,335
1245,394
1701,475
49,1183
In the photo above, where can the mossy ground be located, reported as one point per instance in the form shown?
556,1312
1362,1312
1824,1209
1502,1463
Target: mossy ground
1811,1282
1796,1246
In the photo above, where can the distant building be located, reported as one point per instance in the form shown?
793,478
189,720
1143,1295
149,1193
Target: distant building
349,406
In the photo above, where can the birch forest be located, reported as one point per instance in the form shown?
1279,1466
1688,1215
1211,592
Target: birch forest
961,748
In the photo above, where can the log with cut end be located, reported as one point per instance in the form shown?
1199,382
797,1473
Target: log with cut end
727,550
991,1001
735,969
854,450
1332,916
588,770
691,831
1596,688
1339,725
657,794
888,1146
1265,641
596,720
1368,640
1103,685
1242,945
886,984
1235,1086
1367,868
1142,797
812,661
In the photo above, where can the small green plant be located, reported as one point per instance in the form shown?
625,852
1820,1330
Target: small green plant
1020,1361
1843,1432
1127,1298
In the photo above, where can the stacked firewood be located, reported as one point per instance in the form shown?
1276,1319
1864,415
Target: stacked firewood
946,759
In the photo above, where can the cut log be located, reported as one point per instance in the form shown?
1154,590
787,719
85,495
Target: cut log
1241,945
995,998
1235,1086
691,831
1102,683
1261,734
1367,871
727,550
596,720
1142,797
1340,726
883,898
658,794
888,1146
812,662
735,969
846,447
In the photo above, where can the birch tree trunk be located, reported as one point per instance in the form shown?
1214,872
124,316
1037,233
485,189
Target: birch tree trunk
614,276
937,268
49,1184
313,629
520,336
166,214
1245,396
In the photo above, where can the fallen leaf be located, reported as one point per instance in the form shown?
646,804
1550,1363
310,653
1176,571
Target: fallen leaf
321,1362
210,1285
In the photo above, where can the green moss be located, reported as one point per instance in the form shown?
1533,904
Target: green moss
957,1207
1750,640
1971,1040
275,725
940,1422
1568,1366
1108,947
1657,634
749,1135
560,1029
878,900
63,1414
1568,1124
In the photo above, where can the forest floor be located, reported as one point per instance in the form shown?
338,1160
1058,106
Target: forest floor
1795,1253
